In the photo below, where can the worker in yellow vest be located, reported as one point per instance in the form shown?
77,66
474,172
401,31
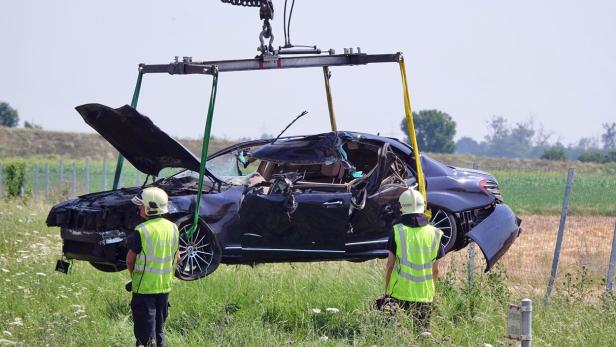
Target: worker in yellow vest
151,259
412,265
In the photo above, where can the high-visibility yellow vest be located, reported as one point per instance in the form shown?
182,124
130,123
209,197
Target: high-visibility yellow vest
416,249
155,265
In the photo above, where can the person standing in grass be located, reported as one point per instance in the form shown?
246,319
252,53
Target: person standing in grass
412,265
151,259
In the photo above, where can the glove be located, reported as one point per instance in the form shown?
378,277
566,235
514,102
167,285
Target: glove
129,286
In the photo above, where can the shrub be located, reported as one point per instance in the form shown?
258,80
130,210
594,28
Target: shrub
592,156
14,177
556,153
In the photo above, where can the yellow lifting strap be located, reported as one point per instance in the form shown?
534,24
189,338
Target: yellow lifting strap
411,128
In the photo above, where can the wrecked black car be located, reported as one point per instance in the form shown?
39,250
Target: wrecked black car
330,196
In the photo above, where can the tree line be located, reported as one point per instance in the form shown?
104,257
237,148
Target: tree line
9,117
436,130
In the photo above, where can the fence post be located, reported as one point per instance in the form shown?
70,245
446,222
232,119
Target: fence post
61,171
610,270
87,175
527,323
47,181
74,181
35,180
559,237
104,173
471,251
1,182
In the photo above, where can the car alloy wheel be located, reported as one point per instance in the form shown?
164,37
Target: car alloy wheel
200,254
447,224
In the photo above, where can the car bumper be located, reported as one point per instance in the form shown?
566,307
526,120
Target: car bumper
495,234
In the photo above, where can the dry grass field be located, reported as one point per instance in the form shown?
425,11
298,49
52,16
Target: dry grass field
584,256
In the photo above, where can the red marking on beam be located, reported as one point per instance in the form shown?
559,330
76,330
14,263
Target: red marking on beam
279,63
260,64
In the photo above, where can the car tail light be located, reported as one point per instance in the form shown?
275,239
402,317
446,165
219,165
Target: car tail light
491,187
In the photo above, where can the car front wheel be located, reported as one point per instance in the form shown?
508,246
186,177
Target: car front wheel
200,254
446,222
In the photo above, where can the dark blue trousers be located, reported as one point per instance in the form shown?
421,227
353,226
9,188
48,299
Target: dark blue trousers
149,314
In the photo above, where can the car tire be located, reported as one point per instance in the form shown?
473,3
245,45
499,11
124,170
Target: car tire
200,255
446,222
107,267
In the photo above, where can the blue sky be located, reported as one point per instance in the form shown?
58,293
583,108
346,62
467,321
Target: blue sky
554,61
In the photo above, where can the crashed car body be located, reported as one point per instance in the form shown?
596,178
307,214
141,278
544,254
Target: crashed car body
331,196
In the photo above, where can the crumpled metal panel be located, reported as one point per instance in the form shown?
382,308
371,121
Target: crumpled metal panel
141,142
495,234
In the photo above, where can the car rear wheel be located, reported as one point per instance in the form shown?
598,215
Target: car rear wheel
446,222
200,254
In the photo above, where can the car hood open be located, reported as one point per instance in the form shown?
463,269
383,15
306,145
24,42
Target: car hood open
136,137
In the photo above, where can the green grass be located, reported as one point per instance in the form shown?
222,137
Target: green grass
268,305
543,192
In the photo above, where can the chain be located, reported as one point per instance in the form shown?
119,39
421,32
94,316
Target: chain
246,3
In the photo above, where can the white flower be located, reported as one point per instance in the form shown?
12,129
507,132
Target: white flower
17,321
324,338
5,270
40,274
332,310
316,310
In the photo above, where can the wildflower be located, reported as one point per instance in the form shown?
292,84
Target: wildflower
40,274
17,321
332,310
324,338
316,310
5,270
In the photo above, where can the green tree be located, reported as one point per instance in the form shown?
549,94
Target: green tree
434,129
556,152
609,136
32,125
592,156
8,115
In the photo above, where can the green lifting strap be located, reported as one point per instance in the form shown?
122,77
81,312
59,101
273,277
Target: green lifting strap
133,103
204,149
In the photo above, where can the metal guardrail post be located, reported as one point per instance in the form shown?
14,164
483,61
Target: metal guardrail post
559,237
527,323
610,270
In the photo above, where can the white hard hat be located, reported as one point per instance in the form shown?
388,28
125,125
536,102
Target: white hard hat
154,200
411,201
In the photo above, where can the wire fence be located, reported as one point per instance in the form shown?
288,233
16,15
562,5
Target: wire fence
535,195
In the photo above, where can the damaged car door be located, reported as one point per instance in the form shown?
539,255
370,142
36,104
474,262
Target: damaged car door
285,224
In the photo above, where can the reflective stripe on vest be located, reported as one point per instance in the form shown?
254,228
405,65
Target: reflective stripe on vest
404,259
150,248
155,264
416,249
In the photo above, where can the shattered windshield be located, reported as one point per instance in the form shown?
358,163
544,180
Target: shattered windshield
234,167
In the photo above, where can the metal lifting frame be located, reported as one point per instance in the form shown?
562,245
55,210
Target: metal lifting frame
187,67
